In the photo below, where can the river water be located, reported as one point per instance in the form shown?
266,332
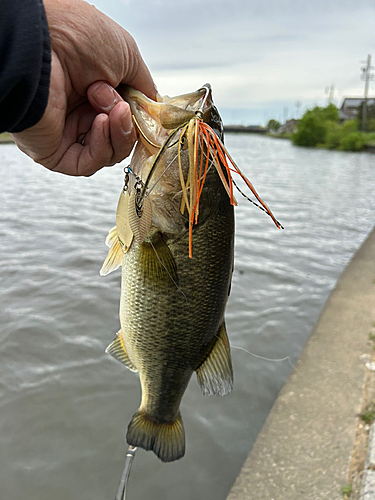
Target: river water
65,404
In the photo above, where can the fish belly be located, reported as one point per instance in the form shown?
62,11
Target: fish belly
170,323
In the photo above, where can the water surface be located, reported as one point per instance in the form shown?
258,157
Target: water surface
65,404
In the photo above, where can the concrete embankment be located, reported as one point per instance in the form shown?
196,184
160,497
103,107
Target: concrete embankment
313,445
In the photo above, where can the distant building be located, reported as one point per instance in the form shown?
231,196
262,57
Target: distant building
250,129
350,107
290,126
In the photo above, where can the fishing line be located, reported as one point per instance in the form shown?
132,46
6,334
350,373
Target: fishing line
121,492
286,358
158,156
258,356
253,202
170,163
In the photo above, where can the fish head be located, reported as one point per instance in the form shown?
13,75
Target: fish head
161,161
156,119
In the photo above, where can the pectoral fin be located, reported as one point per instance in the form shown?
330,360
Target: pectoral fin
215,374
118,351
111,237
114,257
157,263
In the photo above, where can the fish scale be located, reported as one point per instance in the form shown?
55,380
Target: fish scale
174,239
175,277
169,329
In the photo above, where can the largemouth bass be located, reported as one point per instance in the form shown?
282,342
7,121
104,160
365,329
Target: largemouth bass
174,240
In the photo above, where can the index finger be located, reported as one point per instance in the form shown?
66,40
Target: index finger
140,77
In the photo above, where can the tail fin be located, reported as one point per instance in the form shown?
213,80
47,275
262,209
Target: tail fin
166,440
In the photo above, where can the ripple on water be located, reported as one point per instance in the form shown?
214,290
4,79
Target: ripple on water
65,405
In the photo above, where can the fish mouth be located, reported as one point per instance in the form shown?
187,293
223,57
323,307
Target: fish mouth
156,119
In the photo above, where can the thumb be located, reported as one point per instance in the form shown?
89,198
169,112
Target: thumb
103,97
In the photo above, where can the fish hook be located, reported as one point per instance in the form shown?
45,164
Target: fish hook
121,492
207,88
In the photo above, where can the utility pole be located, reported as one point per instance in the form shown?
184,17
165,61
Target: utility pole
285,114
366,76
331,94
330,91
298,105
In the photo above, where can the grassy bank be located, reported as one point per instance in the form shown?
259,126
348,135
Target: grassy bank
284,135
5,137
320,127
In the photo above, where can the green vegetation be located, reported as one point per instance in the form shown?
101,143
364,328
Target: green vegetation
368,414
273,125
283,135
320,127
370,118
5,137
347,490
314,125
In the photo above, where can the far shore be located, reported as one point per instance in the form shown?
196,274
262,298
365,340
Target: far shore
6,138
241,129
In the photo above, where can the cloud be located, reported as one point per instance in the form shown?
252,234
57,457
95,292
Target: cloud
252,51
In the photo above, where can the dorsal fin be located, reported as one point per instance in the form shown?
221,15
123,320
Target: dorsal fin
117,350
114,256
215,374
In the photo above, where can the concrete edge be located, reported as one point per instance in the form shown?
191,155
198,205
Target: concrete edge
310,412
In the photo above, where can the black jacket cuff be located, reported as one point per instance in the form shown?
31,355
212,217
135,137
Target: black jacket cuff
25,64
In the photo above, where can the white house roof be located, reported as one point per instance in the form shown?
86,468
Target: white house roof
354,102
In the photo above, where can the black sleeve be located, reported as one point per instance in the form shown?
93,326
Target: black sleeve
25,64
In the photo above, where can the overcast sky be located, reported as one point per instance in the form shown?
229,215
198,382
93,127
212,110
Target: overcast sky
260,56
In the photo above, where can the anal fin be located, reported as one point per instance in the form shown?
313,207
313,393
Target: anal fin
215,374
117,350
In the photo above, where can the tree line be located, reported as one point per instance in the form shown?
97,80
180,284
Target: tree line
320,127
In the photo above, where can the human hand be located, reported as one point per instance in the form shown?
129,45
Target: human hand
86,124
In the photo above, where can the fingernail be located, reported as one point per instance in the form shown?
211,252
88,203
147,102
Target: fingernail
105,97
127,122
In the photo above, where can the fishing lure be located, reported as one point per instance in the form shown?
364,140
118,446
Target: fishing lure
199,136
